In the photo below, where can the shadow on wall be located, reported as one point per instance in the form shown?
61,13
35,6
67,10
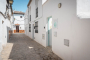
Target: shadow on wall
9,33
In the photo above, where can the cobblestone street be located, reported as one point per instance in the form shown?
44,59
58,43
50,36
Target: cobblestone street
21,47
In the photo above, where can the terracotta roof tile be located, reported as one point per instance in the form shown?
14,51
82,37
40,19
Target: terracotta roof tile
17,24
18,12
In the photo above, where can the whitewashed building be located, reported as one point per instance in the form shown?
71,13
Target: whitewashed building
18,22
6,15
26,23
64,25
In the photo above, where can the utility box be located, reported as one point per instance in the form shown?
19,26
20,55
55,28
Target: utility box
55,34
43,36
66,42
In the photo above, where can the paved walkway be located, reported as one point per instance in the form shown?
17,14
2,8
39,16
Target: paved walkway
21,47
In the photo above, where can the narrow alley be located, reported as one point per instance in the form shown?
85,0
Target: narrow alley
21,47
44,29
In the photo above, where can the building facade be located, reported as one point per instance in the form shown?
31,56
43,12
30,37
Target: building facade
6,15
26,22
59,25
18,22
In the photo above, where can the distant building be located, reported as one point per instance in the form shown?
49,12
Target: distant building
18,22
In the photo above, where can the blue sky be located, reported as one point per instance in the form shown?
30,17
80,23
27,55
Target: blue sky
20,5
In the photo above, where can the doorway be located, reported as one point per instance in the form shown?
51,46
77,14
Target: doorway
50,31
17,29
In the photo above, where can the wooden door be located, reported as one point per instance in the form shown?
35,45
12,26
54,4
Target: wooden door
17,28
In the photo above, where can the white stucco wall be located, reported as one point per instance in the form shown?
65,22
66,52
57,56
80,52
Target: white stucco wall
3,6
26,21
5,26
33,9
33,15
19,21
70,27
8,23
3,31
83,8
26,17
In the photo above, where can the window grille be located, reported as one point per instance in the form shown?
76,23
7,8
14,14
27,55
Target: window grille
36,27
29,27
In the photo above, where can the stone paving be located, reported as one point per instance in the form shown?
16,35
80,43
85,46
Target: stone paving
21,47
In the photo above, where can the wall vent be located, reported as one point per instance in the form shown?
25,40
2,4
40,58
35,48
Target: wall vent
66,42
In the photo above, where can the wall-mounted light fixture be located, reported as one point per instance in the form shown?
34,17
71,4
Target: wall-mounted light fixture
2,21
59,5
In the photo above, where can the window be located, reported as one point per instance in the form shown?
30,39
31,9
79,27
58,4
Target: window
29,27
36,27
36,12
20,16
30,17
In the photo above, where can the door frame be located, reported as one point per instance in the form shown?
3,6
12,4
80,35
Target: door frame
16,29
47,27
